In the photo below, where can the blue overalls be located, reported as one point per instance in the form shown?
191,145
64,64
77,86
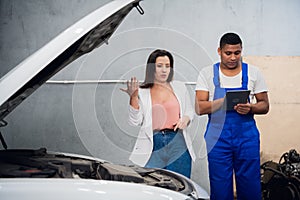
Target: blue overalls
233,145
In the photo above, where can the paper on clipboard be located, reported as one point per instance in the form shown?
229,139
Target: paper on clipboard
234,97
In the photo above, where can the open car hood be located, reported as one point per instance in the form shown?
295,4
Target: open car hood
81,38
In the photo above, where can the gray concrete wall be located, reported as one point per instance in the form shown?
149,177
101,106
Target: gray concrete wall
91,119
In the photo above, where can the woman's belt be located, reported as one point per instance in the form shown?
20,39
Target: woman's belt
166,130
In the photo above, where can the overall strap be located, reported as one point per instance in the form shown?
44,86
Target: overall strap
244,76
216,78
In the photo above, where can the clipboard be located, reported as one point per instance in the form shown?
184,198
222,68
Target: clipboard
234,97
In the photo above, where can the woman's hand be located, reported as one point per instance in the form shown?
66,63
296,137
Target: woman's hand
182,123
132,87
132,90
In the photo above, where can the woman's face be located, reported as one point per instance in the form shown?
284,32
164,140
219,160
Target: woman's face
162,69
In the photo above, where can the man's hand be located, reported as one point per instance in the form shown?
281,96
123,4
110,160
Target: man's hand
243,109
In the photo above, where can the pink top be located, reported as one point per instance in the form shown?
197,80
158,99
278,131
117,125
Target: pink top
165,115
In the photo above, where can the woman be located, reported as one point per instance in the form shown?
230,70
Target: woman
163,109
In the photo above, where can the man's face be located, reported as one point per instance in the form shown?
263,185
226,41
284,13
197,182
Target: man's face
230,55
162,69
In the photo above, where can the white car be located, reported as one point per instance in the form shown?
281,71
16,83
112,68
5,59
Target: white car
39,174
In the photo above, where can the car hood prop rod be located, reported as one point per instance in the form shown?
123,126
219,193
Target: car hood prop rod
3,123
3,141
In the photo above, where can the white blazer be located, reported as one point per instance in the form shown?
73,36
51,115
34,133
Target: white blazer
143,117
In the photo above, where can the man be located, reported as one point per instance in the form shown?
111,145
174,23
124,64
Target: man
232,137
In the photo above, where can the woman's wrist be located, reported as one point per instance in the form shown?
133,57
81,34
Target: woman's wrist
134,101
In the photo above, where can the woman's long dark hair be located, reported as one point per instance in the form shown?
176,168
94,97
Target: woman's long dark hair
150,68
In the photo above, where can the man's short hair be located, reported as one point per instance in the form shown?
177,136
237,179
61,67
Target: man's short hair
230,38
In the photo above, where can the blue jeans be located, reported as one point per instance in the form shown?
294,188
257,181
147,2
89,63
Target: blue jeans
170,152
